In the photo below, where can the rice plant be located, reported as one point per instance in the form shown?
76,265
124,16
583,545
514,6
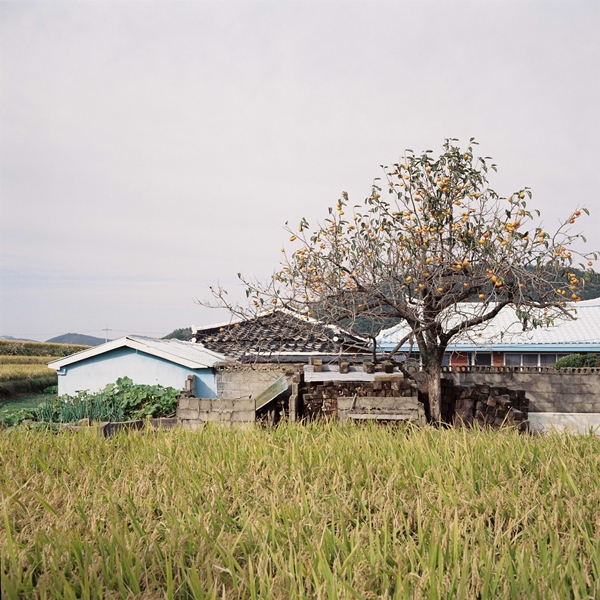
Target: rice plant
315,511
25,360
15,371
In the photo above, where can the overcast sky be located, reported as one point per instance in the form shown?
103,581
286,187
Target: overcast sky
150,149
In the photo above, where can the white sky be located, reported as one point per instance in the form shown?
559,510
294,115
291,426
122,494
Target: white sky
150,149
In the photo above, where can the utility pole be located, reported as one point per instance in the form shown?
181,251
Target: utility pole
106,330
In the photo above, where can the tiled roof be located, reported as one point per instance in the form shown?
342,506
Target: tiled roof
505,332
277,336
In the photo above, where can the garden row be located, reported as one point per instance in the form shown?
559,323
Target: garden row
120,401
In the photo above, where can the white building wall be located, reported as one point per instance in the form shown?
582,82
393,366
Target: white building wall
96,372
574,422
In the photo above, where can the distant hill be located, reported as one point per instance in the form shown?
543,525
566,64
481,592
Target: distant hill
591,288
184,334
77,338
14,339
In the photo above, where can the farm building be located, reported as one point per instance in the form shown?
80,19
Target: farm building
503,342
144,360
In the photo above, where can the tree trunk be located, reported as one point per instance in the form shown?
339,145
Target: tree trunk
434,390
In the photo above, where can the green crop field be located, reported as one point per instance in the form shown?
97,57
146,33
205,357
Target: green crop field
299,511
23,402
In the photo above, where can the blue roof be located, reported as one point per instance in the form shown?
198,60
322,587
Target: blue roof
505,332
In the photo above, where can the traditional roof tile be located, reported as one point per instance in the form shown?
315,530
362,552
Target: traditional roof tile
278,336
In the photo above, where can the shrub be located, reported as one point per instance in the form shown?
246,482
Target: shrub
577,361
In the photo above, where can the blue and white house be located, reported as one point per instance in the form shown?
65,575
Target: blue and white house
144,360
503,342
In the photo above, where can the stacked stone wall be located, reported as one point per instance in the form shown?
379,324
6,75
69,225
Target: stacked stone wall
320,399
489,406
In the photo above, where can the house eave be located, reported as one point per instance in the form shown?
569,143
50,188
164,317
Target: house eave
128,342
552,348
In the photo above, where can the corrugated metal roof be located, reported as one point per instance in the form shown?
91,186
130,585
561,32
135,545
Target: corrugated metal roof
186,350
505,332
188,354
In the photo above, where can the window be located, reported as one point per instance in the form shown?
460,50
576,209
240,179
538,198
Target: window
515,359
547,360
530,360
481,359
512,359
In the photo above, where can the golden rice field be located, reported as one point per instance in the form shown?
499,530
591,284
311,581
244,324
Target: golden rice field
14,371
300,511
22,374
25,360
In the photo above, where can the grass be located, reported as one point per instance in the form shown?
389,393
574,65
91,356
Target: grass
11,389
316,511
23,402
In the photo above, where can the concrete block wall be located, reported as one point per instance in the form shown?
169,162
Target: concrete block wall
247,381
237,387
548,390
195,412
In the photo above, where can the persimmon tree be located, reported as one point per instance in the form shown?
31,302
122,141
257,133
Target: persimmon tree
431,236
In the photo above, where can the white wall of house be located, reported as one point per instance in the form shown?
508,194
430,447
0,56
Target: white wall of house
96,372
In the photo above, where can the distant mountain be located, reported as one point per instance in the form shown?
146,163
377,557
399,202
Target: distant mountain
78,339
591,288
184,334
14,339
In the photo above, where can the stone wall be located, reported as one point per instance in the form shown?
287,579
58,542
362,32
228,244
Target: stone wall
548,390
489,406
388,394
545,390
384,409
